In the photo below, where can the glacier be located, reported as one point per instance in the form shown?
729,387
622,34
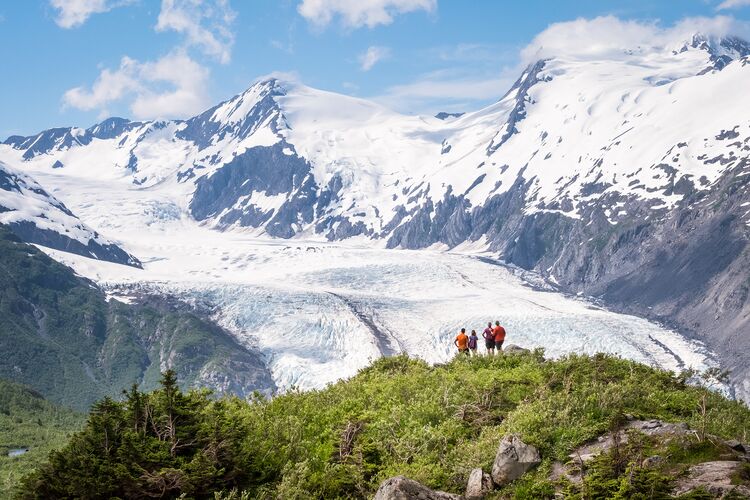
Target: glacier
319,311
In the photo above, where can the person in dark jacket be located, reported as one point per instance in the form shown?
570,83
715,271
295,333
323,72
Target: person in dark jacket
489,339
473,341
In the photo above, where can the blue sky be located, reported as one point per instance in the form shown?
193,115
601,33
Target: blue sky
74,62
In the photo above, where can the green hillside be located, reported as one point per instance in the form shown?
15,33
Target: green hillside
398,416
27,421
60,335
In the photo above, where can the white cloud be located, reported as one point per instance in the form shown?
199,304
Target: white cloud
284,76
73,13
358,13
171,87
175,85
476,74
610,36
445,91
732,4
372,56
475,53
205,24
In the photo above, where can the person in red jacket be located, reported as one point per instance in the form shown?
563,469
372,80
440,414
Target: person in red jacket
499,334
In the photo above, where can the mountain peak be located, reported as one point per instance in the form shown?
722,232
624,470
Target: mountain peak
721,49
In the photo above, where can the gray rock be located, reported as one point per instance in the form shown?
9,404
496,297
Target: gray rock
29,232
652,461
514,349
737,446
57,236
714,477
402,488
658,427
513,459
479,485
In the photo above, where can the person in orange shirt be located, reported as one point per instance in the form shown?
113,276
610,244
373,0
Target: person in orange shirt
499,333
462,342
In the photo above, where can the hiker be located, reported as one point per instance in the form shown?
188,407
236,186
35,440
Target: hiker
473,341
499,333
489,339
462,342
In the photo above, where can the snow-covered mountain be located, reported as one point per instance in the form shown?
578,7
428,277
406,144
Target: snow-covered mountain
574,133
38,217
619,176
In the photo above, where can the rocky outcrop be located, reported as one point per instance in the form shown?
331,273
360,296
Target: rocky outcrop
607,441
402,488
716,478
513,459
479,485
31,233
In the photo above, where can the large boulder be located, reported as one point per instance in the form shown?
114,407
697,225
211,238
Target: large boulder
401,488
513,459
515,349
714,477
479,485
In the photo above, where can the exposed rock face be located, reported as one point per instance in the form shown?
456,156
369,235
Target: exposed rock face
513,459
479,485
401,488
739,447
30,233
714,477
